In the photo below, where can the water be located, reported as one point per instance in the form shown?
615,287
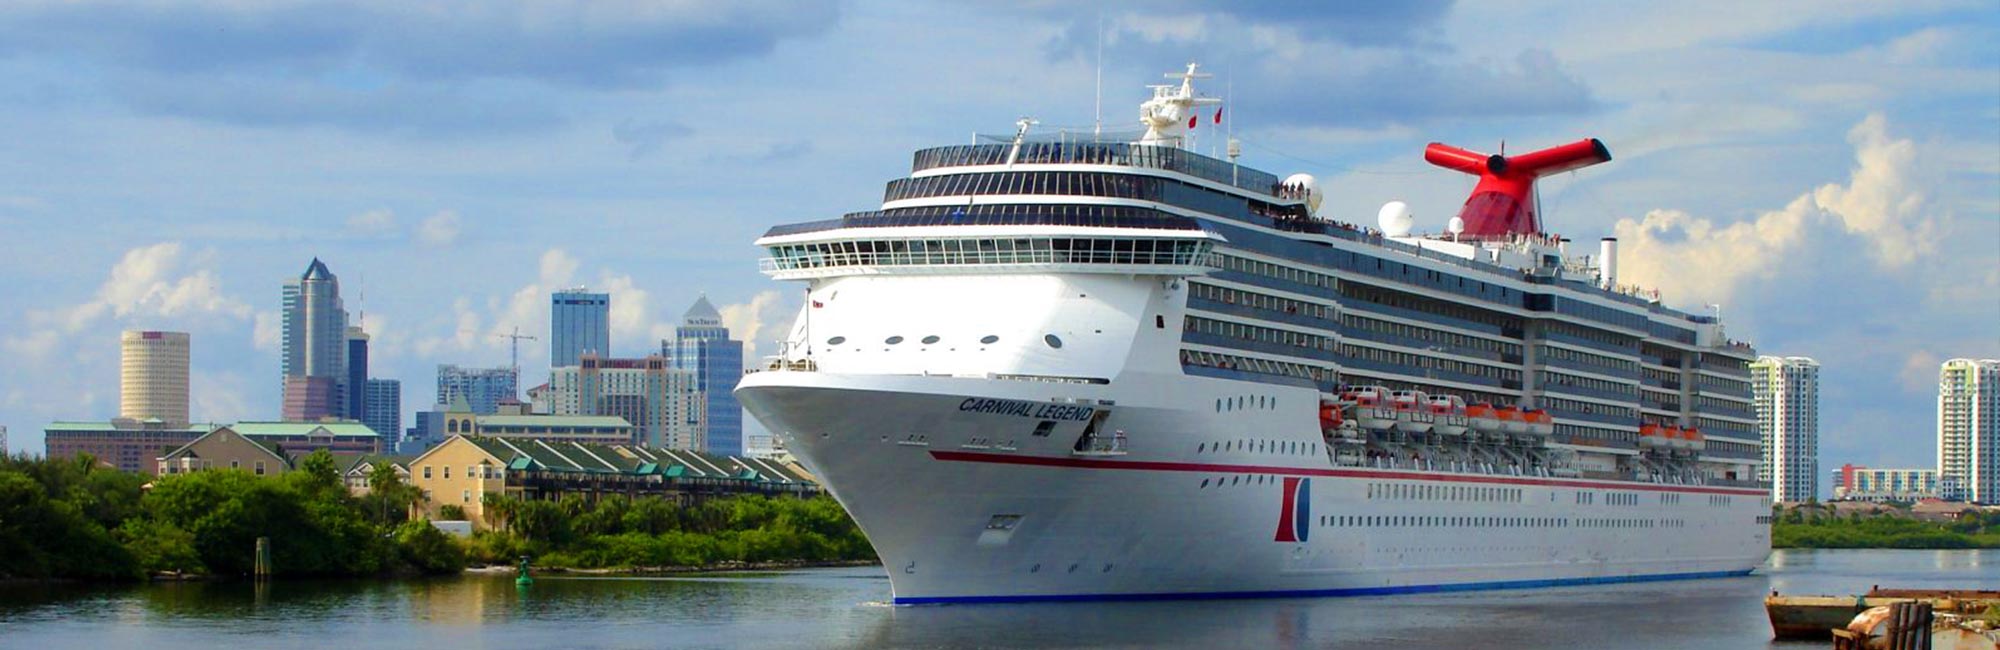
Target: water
842,608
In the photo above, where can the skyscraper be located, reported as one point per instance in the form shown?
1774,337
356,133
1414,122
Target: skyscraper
384,407
1968,428
579,322
483,388
314,345
1786,392
153,376
702,345
354,387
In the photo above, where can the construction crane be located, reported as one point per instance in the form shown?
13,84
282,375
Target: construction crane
514,356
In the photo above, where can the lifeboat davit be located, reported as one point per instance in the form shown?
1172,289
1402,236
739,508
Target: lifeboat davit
1448,415
1412,414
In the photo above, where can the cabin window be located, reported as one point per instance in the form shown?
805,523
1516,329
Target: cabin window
1053,341
930,339
893,340
836,340
989,339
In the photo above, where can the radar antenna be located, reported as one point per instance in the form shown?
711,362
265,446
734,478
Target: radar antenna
1170,116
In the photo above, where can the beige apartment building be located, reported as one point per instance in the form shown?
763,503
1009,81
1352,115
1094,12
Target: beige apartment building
153,376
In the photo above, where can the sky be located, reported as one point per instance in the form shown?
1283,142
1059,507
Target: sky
1826,172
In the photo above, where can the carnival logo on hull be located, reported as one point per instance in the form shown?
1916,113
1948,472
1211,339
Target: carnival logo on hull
1296,511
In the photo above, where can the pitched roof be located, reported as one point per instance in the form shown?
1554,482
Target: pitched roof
267,446
702,313
458,403
316,271
562,456
344,428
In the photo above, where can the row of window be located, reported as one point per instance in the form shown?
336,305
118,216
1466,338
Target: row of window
1449,521
1245,403
1466,316
471,471
1023,250
1478,344
1260,333
1096,153
1200,358
1421,492
1566,431
1283,272
1548,378
1724,385
1260,446
1608,363
1261,301
1593,408
1417,364
1588,334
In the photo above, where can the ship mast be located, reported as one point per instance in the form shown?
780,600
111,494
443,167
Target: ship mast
1170,116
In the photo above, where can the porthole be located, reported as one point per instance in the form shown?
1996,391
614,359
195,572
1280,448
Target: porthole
1052,341
930,339
989,339
893,340
836,340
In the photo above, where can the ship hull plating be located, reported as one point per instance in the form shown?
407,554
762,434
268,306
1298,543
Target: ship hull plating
976,490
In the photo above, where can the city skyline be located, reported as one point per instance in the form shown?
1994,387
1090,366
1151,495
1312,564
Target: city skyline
1834,194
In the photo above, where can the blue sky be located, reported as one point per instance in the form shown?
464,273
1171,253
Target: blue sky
1827,171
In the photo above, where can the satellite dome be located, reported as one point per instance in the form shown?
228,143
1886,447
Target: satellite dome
1311,187
1395,219
1455,226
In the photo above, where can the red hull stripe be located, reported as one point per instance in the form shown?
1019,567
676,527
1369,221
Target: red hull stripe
1162,466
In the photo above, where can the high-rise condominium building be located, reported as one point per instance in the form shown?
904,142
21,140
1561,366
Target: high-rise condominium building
579,322
656,398
1786,394
483,388
384,404
1968,428
702,345
314,346
153,376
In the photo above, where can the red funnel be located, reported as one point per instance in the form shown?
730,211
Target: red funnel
1503,202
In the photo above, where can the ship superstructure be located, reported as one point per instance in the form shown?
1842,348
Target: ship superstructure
1064,367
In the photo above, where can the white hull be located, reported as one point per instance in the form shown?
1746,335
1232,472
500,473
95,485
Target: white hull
925,464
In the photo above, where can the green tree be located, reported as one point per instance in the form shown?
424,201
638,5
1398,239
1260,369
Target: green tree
428,550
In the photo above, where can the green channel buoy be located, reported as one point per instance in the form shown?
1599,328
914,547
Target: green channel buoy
523,579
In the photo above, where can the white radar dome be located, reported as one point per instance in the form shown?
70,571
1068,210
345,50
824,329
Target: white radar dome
1310,186
1395,219
1455,226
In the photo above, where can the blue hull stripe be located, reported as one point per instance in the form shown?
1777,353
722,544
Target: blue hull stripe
1317,593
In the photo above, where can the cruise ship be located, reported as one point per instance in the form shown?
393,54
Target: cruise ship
1077,366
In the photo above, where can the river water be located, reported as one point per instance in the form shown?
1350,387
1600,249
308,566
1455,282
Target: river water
842,608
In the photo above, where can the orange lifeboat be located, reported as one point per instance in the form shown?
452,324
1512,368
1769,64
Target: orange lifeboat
1371,408
1652,436
1483,417
1510,419
1330,416
1540,423
1677,439
1448,415
1694,435
1411,414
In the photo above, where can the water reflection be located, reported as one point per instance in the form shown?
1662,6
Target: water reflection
841,608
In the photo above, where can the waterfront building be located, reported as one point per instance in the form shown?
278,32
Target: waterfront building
313,346
658,399
579,322
353,387
153,376
702,346
483,388
1786,392
130,445
1968,428
299,438
514,422
462,470
382,408
224,448
1857,483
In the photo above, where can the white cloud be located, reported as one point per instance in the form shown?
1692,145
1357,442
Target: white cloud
759,322
440,229
379,222
1694,259
264,334
631,311
218,397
